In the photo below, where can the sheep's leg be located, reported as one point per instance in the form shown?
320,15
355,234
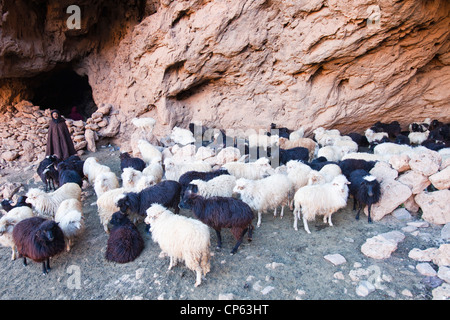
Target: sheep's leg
171,264
329,221
198,280
219,239
13,256
48,264
250,232
305,224
282,212
275,212
238,243
369,219
259,219
296,216
44,269
359,210
24,261
354,204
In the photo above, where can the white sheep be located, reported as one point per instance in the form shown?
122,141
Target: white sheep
92,168
331,153
297,134
129,177
7,223
324,137
321,199
70,219
375,136
418,138
324,175
175,169
145,124
46,204
182,136
265,194
297,173
253,170
388,149
106,206
155,170
221,186
181,238
105,181
364,156
228,154
262,140
149,152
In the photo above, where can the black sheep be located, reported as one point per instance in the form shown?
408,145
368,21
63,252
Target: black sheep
319,163
365,190
21,201
68,176
282,131
38,239
127,161
166,193
186,178
125,243
73,162
402,139
298,153
392,129
349,165
48,173
221,212
359,139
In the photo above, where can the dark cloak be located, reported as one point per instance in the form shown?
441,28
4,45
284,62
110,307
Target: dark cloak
59,141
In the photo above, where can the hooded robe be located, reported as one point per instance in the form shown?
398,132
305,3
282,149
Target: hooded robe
59,141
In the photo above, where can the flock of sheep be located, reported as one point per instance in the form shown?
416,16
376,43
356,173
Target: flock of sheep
223,184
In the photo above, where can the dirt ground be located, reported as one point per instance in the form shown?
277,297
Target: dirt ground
279,264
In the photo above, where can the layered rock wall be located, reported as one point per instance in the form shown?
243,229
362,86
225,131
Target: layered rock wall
247,63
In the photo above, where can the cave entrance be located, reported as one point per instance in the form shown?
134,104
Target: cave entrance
62,89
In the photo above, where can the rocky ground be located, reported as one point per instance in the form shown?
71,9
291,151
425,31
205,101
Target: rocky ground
279,264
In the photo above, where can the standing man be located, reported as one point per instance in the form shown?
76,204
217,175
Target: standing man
59,141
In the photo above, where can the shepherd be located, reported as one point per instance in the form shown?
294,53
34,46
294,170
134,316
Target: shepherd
59,141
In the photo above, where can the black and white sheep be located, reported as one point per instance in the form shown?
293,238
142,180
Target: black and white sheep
48,173
38,239
166,193
125,243
221,212
365,190
21,201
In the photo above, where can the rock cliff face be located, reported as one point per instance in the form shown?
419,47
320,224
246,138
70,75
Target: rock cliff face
242,63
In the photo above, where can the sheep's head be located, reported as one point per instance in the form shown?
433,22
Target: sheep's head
240,186
371,187
122,202
186,201
32,195
154,212
119,219
48,230
341,183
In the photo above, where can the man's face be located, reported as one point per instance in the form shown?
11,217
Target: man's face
55,115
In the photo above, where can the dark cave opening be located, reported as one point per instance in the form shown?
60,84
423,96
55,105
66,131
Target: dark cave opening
62,89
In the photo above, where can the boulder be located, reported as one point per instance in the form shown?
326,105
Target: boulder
435,206
382,245
426,162
400,162
383,171
393,194
441,179
416,181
